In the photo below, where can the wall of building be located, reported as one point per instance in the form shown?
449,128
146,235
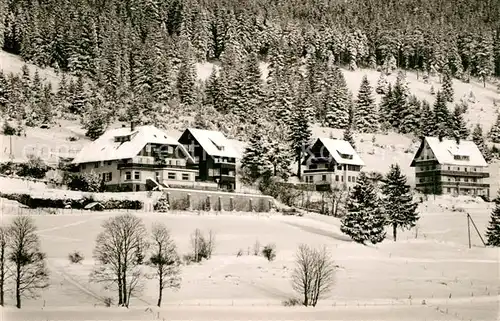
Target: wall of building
104,167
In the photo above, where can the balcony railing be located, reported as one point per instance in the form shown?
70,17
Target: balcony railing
319,170
438,172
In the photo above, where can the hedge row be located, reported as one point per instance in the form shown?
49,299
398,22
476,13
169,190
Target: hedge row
76,204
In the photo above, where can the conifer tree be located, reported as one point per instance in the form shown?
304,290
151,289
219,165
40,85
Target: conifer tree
494,133
366,114
382,84
255,162
447,87
79,98
186,81
459,126
348,136
300,130
441,117
364,221
428,127
398,203
337,100
493,229
411,117
478,139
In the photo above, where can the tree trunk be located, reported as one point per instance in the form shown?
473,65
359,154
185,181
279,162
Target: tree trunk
394,231
120,285
18,285
2,274
124,285
299,168
160,294
275,169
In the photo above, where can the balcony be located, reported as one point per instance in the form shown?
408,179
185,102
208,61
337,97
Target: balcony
319,170
152,163
438,172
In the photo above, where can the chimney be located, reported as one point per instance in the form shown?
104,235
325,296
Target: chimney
132,126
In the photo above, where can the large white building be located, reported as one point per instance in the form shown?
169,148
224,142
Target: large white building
450,167
331,163
129,158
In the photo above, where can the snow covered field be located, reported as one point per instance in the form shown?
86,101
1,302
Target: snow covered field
388,281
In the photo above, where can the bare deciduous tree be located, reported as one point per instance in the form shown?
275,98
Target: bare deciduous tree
30,272
164,260
313,275
3,262
203,246
119,252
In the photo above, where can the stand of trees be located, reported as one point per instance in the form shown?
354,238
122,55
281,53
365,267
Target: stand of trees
22,263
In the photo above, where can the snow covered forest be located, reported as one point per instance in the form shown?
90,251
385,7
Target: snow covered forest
124,60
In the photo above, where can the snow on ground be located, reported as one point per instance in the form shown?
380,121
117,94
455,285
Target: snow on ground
431,263
10,63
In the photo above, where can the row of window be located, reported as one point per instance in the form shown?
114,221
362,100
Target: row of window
449,168
97,164
450,179
310,178
128,175
173,176
217,172
339,167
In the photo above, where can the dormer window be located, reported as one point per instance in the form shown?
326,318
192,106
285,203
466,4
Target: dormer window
461,157
122,139
345,156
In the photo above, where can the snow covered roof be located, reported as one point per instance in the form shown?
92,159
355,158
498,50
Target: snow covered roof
449,152
341,151
110,146
214,143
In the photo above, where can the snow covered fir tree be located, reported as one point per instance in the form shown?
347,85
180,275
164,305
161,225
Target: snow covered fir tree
399,207
493,228
364,221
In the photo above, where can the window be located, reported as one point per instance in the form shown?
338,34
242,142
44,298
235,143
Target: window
348,178
311,179
178,162
474,180
137,175
107,177
466,179
313,166
216,172
475,169
157,176
448,190
307,179
96,165
185,177
449,168
354,179
465,169
148,148
84,166
422,180
341,178
231,173
458,168
323,177
128,176
339,167
171,175
170,149
336,178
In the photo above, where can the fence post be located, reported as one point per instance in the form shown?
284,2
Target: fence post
168,198
270,203
209,204
231,204
250,205
219,206
189,202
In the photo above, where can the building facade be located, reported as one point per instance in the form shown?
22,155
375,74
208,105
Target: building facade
214,156
137,159
450,167
331,164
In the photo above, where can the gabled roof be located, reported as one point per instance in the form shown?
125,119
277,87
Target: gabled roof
105,148
446,150
214,143
337,148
